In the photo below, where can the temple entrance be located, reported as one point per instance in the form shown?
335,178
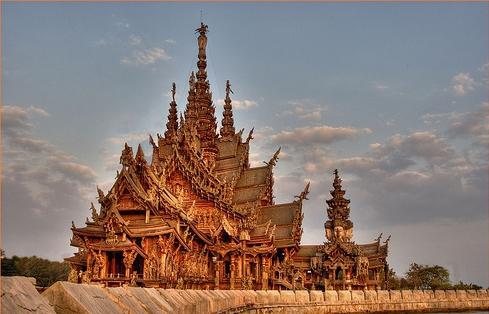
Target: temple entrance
138,266
116,267
339,273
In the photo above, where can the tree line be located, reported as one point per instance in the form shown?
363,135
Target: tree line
426,277
45,271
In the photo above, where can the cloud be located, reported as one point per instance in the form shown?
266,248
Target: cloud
101,42
146,57
74,171
16,118
485,68
435,118
17,126
303,109
425,145
471,124
462,83
134,138
121,24
135,40
316,135
44,188
170,41
240,104
380,87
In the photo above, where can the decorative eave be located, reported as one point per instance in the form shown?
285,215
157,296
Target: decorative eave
268,192
190,165
299,215
201,236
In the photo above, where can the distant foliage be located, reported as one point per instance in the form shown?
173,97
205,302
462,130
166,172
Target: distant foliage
46,272
426,277
466,286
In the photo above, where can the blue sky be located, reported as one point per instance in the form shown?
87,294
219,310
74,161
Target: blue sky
394,95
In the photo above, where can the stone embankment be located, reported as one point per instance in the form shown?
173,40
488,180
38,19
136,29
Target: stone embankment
19,296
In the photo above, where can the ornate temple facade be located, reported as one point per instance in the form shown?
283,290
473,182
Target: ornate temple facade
198,216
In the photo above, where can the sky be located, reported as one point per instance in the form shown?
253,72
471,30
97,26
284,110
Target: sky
393,95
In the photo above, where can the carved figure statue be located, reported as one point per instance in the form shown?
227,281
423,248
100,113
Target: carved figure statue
228,89
94,212
202,40
173,91
134,277
100,194
362,268
179,283
73,276
87,277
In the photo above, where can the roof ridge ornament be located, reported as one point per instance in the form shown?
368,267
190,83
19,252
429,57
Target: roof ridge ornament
274,159
172,124
228,129
304,193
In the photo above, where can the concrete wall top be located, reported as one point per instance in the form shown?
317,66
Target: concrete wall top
19,295
63,297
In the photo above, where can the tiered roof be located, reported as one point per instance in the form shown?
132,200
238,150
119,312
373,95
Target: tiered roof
215,171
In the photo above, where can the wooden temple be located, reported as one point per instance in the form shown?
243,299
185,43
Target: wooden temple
197,216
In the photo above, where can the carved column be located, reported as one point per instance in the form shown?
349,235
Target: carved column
103,270
89,261
240,266
163,265
264,273
233,269
129,257
217,274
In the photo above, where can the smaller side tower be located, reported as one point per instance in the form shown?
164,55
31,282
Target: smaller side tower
338,227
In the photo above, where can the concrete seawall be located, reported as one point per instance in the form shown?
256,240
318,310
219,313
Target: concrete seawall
72,298
65,297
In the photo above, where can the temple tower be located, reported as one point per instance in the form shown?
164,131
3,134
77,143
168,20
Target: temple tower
200,102
172,124
338,227
227,129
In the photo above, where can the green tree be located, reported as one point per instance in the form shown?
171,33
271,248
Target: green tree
46,272
466,286
428,277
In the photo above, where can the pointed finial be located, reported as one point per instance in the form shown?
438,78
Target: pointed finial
228,89
250,135
100,193
273,160
227,129
172,124
140,155
94,212
191,80
379,237
303,195
152,142
73,224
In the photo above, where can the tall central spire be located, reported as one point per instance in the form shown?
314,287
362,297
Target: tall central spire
200,109
339,227
202,63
